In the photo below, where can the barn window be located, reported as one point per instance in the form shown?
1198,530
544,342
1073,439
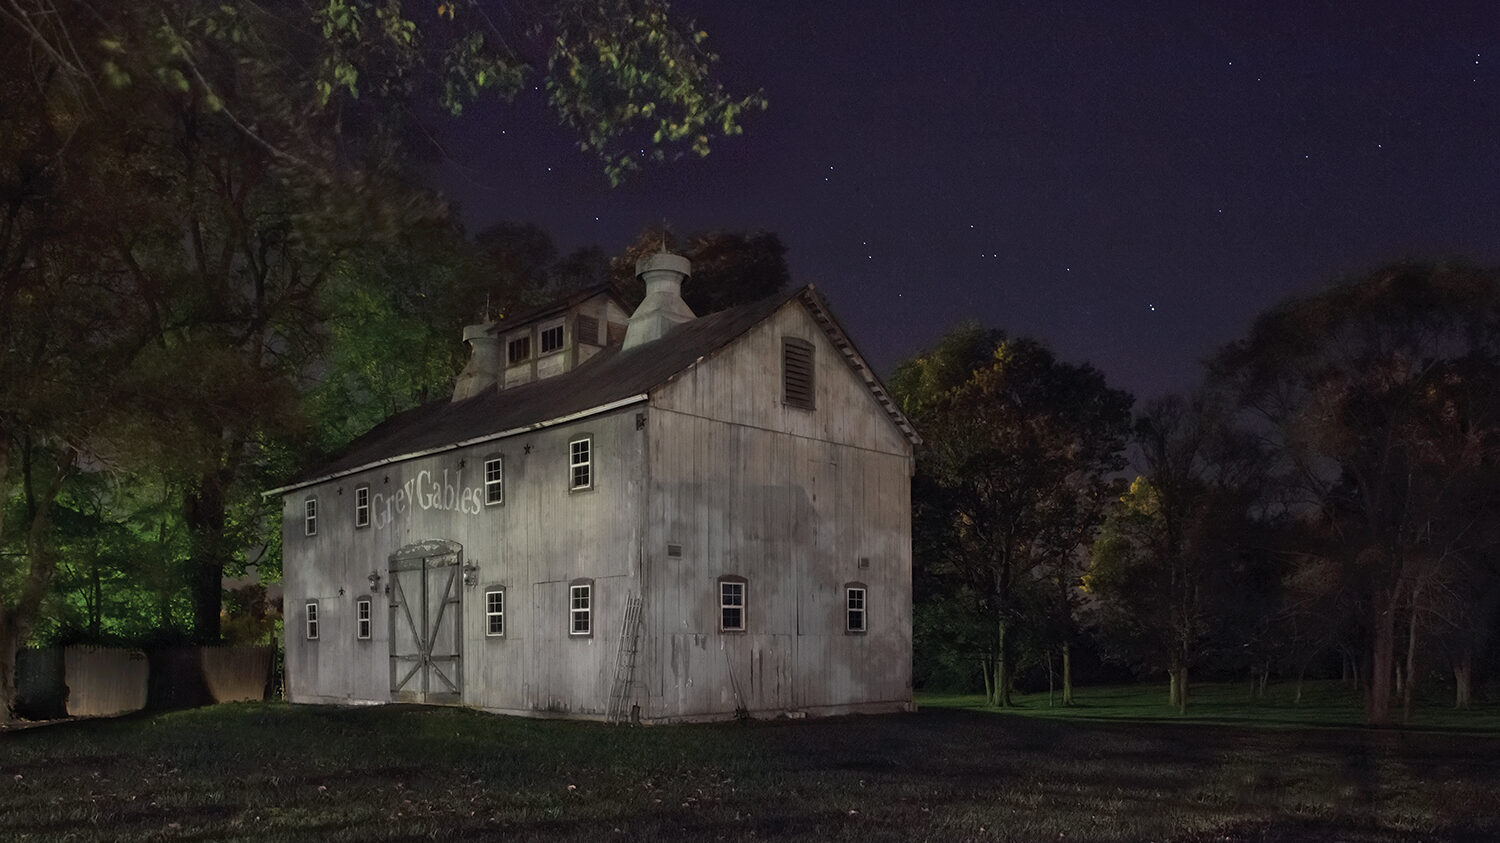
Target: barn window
732,604
797,373
581,463
311,617
494,612
581,607
362,506
362,618
310,517
587,330
518,350
854,607
494,481
552,339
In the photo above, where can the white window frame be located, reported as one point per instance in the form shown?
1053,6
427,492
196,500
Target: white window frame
581,608
364,618
494,613
732,598
541,339
494,488
310,620
585,465
310,516
861,593
361,506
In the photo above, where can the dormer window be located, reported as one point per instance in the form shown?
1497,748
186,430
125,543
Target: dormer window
552,339
518,350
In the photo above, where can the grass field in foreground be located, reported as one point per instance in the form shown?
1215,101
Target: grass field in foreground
276,771
1322,704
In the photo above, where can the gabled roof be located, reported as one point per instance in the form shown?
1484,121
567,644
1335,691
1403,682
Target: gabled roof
610,379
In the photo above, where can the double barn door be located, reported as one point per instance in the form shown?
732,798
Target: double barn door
426,607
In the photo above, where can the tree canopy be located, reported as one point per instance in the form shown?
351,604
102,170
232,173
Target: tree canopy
201,200
1014,476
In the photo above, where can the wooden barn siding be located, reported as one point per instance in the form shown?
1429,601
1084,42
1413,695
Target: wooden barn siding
533,546
791,500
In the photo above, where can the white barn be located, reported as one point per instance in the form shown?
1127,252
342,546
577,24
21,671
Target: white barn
643,516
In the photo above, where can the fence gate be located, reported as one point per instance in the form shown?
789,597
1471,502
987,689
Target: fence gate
426,595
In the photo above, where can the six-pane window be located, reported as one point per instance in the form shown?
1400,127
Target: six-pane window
552,339
362,506
312,620
494,481
494,612
580,463
854,608
580,600
362,618
310,517
732,605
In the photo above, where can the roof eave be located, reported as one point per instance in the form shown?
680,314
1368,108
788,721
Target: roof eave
856,361
453,446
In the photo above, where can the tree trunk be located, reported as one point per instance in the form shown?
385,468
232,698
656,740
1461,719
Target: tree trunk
1463,680
10,645
17,620
1067,670
1410,688
1177,686
1382,663
1049,679
205,517
1002,666
96,600
989,683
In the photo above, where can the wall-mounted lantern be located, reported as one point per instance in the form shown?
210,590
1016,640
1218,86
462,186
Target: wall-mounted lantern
374,582
471,574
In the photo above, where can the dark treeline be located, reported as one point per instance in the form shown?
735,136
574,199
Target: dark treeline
1324,504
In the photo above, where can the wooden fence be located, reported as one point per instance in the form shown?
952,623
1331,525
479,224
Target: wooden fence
82,681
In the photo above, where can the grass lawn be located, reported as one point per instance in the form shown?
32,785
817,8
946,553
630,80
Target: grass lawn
276,771
1322,704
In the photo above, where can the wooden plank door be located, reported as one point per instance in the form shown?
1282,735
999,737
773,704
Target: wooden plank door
426,604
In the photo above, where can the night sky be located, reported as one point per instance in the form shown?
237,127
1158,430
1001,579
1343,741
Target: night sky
1129,182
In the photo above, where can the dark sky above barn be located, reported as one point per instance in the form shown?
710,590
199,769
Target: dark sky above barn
1129,182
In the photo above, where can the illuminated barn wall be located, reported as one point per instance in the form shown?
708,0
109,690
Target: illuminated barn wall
701,472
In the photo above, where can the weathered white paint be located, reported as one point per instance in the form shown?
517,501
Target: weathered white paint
792,500
533,545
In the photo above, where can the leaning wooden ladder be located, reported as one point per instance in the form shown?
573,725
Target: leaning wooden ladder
630,632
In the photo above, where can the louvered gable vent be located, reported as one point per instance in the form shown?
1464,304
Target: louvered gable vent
588,330
797,373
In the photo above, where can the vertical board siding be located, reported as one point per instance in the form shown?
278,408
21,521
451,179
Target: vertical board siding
542,537
790,499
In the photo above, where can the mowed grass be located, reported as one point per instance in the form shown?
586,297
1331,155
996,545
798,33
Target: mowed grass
1322,703
277,771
